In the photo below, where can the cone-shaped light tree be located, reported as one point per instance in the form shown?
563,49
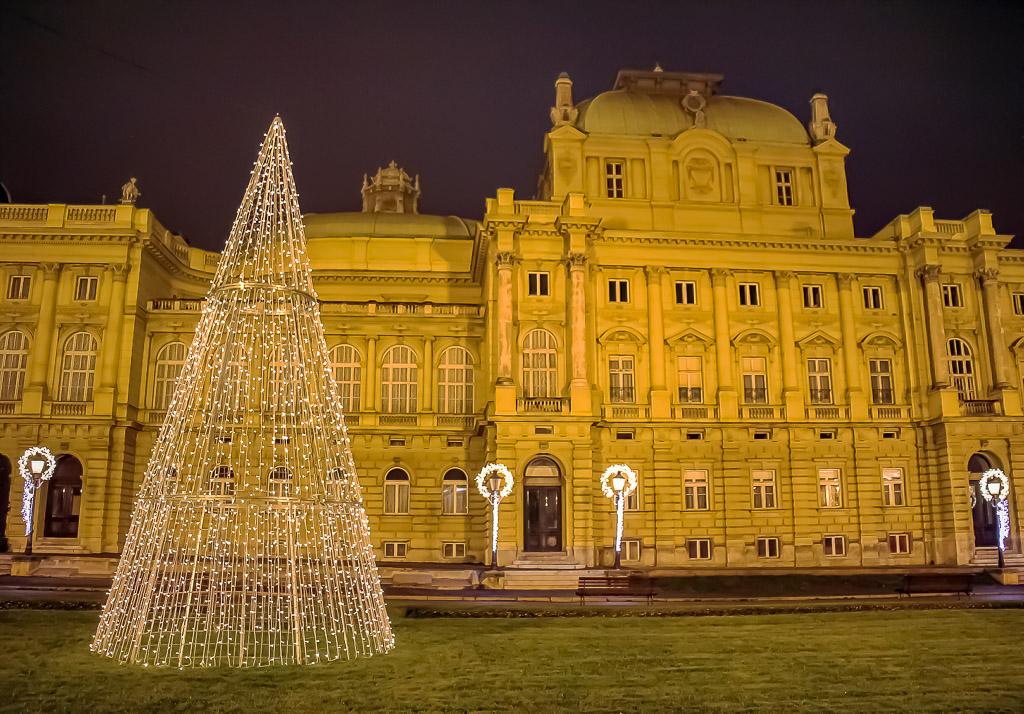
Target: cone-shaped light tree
249,544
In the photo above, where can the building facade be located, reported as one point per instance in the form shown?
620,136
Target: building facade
685,294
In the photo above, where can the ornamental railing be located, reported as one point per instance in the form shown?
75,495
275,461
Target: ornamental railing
978,407
619,412
545,405
762,413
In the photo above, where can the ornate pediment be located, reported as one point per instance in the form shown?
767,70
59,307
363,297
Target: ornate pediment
621,333
819,339
690,336
754,336
881,339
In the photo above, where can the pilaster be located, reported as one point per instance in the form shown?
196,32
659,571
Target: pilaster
728,401
792,394
35,389
855,396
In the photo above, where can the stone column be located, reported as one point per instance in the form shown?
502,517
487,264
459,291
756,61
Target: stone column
39,366
371,397
728,402
792,394
929,275
504,261
107,391
855,396
989,278
660,405
579,386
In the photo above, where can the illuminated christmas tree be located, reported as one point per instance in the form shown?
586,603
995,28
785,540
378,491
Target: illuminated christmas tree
249,544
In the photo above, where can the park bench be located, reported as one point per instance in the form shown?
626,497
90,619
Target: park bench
936,583
624,584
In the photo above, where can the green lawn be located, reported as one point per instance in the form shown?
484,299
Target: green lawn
853,661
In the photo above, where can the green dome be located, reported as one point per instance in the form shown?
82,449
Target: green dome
391,225
640,114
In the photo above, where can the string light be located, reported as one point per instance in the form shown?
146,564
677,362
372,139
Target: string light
35,474
997,497
494,496
249,544
618,492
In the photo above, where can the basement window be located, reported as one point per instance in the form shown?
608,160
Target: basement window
695,436
762,435
625,434
396,441
544,429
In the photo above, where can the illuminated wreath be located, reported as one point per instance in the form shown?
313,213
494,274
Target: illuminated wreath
485,474
34,453
606,478
1004,485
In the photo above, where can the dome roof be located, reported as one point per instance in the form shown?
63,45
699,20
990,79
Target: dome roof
391,225
641,114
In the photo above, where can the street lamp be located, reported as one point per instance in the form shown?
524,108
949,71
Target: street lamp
36,465
617,482
995,488
494,483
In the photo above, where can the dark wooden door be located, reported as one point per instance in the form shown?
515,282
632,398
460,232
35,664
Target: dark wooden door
984,520
543,515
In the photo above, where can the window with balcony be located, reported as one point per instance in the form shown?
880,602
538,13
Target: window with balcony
618,290
763,489
614,178
455,381
813,297
881,381
19,287
346,363
695,490
170,360
690,376
830,488
892,487
686,292
399,379
540,365
86,287
78,368
13,363
396,492
621,385
755,380
961,368
952,296
872,297
455,493
537,284
819,380
749,294
784,195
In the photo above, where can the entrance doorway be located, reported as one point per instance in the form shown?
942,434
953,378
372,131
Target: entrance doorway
63,498
542,512
982,513
5,500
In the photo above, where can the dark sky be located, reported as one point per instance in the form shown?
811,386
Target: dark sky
929,96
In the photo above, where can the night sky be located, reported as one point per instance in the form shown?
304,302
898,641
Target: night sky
929,96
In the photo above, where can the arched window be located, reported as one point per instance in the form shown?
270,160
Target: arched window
78,368
540,364
170,360
961,368
280,481
222,481
13,360
341,485
455,381
64,499
455,493
398,381
345,363
396,492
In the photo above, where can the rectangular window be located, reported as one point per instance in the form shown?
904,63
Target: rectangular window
892,487
952,296
453,550
881,381
18,287
618,290
85,288
396,498
755,380
819,380
537,284
614,178
830,488
691,379
899,543
872,297
633,499
695,490
455,498
621,385
750,294
834,546
686,292
698,548
784,187
813,297
763,486
631,549
1018,303
395,549
767,547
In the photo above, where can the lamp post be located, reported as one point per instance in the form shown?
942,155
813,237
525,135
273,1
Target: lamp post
494,483
617,482
36,465
995,488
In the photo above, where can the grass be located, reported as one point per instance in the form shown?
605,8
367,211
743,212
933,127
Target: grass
909,660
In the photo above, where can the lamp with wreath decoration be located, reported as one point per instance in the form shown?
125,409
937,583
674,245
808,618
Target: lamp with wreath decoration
617,482
494,482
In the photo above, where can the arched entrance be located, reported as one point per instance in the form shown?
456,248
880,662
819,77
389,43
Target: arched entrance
5,500
63,499
542,511
982,513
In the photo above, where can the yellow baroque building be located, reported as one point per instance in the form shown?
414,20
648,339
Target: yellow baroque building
685,294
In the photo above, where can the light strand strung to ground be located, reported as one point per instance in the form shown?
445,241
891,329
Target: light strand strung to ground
618,492
995,488
249,543
35,459
494,493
